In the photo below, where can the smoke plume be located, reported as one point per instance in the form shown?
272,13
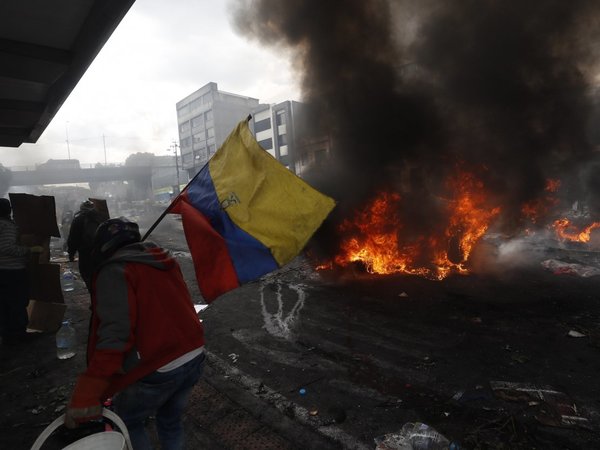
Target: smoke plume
410,91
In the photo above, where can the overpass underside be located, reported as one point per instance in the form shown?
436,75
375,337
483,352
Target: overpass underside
64,176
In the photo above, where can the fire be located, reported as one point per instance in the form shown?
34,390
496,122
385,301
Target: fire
552,185
539,207
469,220
566,231
375,235
376,241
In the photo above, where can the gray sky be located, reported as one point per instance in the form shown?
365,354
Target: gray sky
160,53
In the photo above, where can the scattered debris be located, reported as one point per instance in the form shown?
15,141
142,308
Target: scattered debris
39,409
313,412
234,357
412,436
403,294
555,409
302,391
520,358
575,334
200,308
458,395
479,393
560,267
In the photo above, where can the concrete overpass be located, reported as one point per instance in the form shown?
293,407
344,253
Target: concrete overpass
72,175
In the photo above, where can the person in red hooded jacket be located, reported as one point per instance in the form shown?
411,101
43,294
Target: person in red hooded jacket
145,345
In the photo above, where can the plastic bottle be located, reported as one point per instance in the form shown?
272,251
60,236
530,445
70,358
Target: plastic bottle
414,436
67,280
423,437
65,341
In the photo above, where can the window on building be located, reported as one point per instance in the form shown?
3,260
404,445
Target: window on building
198,121
283,150
211,150
186,142
185,126
210,132
282,139
199,139
262,125
267,144
208,115
280,117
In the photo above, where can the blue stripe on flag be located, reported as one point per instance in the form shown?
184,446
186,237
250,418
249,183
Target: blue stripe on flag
250,257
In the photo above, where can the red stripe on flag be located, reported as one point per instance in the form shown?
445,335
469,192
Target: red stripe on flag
214,269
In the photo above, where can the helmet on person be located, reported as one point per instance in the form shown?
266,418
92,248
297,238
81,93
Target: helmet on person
114,234
86,206
5,208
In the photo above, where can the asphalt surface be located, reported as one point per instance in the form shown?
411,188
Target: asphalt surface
372,353
322,360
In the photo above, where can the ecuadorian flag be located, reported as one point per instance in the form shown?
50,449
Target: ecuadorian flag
245,215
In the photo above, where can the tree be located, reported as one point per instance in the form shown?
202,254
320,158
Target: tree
140,159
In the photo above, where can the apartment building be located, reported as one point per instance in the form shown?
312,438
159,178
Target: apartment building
205,118
276,130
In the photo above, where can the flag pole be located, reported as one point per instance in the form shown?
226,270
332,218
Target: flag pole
170,207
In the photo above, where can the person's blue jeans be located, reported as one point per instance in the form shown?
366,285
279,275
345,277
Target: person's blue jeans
14,297
163,395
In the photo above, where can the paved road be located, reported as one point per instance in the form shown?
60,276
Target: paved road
372,353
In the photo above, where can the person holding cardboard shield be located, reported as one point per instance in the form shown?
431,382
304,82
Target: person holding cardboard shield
14,282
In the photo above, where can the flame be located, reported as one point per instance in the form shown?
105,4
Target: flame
469,220
375,238
552,185
566,231
534,209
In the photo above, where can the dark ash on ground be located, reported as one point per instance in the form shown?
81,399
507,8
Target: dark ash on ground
369,358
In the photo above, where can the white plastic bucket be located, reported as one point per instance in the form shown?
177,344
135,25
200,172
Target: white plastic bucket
107,440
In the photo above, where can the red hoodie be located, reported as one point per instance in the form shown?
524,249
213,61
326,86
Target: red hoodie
142,316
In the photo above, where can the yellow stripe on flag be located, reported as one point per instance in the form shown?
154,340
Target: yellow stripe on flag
264,198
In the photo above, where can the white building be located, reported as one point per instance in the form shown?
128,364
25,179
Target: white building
276,128
205,118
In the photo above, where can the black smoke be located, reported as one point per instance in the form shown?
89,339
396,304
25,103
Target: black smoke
411,90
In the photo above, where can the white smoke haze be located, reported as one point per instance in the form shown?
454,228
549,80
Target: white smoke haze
160,53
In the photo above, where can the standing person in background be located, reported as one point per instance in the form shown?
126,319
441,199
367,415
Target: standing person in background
146,343
14,280
65,227
81,239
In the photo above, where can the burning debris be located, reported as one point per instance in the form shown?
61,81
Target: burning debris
449,120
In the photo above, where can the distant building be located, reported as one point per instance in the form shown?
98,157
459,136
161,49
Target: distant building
205,118
313,153
59,164
275,128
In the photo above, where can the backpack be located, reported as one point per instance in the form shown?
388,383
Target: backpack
90,225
